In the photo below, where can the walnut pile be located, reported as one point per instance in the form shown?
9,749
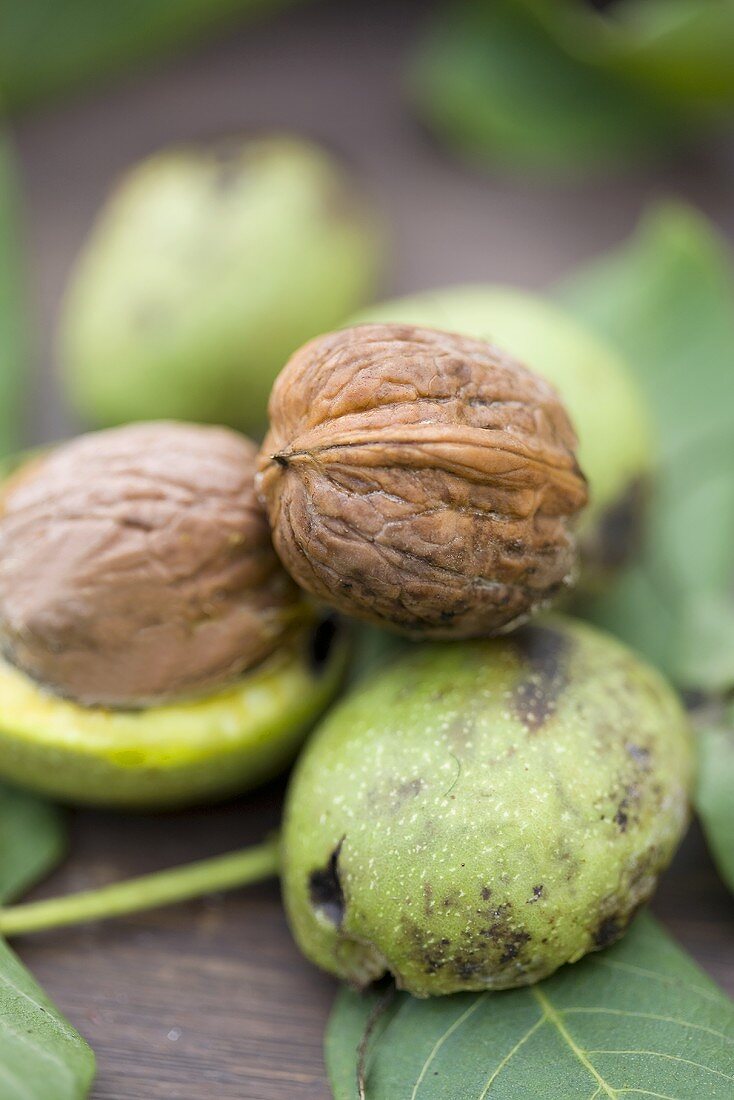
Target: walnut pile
136,566
420,480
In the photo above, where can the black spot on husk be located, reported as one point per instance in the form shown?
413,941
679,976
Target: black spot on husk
325,889
620,529
608,931
693,699
321,642
544,653
513,944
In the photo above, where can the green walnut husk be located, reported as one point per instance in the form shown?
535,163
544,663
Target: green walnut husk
483,812
177,753
616,443
205,270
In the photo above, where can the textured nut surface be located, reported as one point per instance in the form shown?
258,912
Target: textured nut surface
420,479
136,565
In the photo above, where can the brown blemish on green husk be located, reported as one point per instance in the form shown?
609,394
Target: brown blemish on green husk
608,931
392,799
614,924
408,790
620,528
544,653
513,946
571,864
496,945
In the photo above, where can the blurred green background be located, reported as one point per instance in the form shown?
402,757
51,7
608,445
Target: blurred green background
456,135
345,74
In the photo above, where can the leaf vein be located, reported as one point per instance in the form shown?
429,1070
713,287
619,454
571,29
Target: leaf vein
612,964
671,1057
555,1018
508,1057
31,1041
442,1039
647,1016
47,1013
646,1092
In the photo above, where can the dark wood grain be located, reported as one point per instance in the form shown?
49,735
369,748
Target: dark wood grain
208,999
211,1000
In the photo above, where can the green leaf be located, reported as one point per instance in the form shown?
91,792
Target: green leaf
41,1056
551,85
638,1019
13,357
634,607
714,796
666,300
689,548
498,82
680,48
676,604
32,841
355,1026
47,46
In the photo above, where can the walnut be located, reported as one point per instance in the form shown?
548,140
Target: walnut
136,566
420,480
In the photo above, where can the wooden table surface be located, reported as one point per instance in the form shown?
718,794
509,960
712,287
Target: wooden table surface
211,1000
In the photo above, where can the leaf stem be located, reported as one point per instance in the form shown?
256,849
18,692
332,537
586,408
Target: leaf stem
226,872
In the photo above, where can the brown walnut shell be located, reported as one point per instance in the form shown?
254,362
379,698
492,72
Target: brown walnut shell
420,480
136,566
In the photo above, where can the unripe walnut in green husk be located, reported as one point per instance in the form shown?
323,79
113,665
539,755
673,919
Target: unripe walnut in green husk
483,812
606,407
153,650
206,268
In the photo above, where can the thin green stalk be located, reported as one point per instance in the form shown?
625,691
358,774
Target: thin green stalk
206,876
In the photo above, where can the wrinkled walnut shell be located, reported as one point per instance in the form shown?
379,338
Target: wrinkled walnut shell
420,480
136,566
